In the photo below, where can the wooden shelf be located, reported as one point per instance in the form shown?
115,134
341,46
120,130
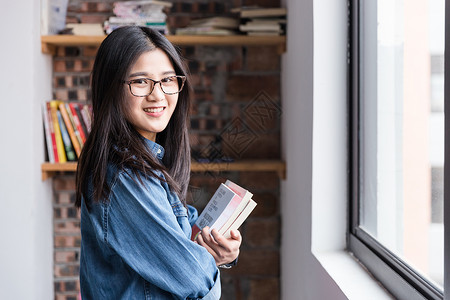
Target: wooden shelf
50,42
51,169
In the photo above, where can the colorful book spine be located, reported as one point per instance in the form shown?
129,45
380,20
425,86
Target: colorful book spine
82,122
52,133
74,126
70,153
70,129
48,135
86,116
58,137
77,122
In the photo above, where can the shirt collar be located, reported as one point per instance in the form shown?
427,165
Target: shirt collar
155,148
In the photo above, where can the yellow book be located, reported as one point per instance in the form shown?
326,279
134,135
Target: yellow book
58,137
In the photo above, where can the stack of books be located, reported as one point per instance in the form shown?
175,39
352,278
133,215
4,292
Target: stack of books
210,26
227,210
148,13
262,21
66,126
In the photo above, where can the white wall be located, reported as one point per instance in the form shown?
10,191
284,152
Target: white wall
25,201
314,263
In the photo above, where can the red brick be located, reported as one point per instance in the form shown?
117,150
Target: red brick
267,205
262,59
262,233
82,94
61,95
67,241
178,21
267,288
65,270
72,19
65,198
60,52
262,147
72,227
66,256
64,183
94,19
89,51
246,87
59,65
260,180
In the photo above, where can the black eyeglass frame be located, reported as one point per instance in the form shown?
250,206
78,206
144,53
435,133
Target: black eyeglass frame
183,80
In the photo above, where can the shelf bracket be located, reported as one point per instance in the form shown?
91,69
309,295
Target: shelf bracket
48,48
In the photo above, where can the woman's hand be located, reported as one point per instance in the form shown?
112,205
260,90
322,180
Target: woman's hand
224,250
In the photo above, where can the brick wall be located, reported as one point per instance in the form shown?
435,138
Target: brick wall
235,114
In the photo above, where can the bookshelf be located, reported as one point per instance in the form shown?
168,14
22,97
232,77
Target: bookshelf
51,169
49,43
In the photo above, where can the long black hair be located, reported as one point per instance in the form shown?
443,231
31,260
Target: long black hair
112,138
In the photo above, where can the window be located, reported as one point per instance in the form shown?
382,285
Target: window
397,160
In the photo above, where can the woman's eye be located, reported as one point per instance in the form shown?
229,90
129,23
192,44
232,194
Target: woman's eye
140,81
167,79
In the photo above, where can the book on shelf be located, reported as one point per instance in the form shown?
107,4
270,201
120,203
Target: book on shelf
74,125
49,134
77,122
69,126
210,26
146,13
260,12
63,139
58,137
70,153
261,21
84,29
228,208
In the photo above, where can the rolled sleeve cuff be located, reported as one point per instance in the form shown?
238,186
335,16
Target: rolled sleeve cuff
215,292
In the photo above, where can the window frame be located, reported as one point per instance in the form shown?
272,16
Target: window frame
397,277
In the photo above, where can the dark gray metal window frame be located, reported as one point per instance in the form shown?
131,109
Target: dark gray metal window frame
397,277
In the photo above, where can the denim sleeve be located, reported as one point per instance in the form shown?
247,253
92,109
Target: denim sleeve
143,230
192,215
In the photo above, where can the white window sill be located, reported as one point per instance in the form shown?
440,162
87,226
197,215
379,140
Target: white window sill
351,277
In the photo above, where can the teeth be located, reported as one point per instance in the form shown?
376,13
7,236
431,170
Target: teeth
154,109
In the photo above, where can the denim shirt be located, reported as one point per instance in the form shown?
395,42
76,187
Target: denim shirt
136,244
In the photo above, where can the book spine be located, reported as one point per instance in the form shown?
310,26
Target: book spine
86,118
227,213
241,218
80,117
74,126
48,135
195,232
58,136
70,154
77,122
69,127
52,133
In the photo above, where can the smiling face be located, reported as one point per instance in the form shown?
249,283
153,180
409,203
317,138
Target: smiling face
150,115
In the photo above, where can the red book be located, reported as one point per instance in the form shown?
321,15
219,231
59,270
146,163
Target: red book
225,211
77,122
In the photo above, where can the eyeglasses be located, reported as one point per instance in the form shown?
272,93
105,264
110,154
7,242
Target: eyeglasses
142,87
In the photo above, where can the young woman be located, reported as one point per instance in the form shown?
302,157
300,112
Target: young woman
132,180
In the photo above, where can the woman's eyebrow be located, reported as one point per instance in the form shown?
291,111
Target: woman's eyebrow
145,74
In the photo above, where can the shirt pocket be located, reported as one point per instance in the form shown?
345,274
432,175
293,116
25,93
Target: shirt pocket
179,210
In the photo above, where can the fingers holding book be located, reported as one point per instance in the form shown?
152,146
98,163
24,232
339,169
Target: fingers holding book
224,250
